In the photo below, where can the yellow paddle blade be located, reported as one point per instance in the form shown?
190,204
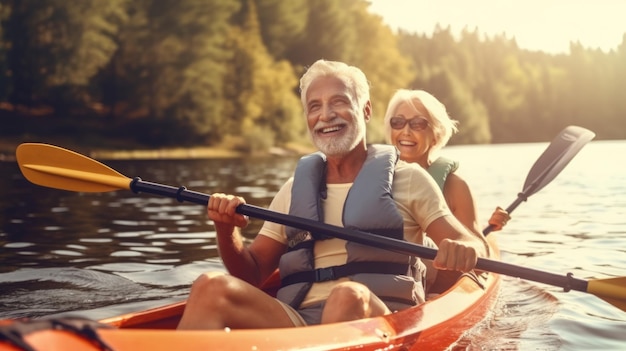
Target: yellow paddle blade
611,290
55,167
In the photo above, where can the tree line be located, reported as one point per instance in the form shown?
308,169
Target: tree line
196,72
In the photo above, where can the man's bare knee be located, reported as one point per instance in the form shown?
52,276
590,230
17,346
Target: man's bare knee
352,300
210,283
347,301
348,295
215,291
210,296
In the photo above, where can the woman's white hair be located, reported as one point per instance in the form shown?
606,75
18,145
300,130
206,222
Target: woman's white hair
439,121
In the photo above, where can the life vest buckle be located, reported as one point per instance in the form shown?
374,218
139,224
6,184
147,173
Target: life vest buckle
324,274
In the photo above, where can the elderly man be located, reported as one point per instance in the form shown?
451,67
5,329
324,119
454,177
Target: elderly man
347,183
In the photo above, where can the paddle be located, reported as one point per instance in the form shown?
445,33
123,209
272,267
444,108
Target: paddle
551,162
55,167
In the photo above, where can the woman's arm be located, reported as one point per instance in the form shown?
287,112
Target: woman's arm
461,202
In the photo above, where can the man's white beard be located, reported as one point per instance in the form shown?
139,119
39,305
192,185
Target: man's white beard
342,145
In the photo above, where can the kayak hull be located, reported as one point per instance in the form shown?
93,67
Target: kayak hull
434,325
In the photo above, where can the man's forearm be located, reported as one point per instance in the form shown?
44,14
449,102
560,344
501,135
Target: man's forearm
235,255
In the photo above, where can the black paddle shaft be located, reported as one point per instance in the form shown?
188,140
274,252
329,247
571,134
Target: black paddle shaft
567,282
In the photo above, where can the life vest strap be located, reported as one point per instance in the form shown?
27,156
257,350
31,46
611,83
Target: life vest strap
350,268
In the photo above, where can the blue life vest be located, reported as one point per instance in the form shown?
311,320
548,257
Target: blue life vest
369,206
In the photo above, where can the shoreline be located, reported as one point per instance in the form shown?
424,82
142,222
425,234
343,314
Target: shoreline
7,152
184,153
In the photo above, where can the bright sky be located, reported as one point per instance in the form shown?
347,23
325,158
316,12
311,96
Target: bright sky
547,25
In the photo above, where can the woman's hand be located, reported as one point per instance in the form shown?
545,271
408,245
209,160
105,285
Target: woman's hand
499,218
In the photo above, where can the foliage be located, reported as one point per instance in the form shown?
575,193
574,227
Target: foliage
282,24
259,89
188,72
376,53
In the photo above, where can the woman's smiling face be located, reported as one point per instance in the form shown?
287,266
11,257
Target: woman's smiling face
414,145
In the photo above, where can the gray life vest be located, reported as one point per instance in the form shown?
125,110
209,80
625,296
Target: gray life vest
369,206
440,169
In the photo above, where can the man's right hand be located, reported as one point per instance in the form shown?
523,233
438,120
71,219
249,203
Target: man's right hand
222,209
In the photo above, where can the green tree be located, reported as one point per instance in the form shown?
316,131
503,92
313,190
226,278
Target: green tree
173,61
448,70
462,106
329,34
616,92
29,34
376,52
282,24
192,71
57,47
261,104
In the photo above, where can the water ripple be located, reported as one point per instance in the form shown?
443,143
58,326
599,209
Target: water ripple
521,312
31,292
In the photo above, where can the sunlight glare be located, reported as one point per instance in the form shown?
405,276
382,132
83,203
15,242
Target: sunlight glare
546,25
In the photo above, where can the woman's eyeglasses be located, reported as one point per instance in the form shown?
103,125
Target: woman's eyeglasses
416,123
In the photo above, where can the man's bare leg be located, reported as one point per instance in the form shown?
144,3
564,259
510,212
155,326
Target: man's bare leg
218,300
350,301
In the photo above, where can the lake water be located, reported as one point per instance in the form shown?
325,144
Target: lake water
102,254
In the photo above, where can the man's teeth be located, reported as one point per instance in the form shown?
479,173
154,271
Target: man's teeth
331,129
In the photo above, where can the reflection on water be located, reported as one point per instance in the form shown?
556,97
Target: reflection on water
109,253
48,227
66,251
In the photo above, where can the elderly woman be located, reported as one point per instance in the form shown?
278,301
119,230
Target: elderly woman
419,126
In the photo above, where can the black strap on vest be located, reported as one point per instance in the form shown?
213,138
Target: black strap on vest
350,268
307,244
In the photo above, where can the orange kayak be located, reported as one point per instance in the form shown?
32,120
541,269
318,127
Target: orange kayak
434,325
